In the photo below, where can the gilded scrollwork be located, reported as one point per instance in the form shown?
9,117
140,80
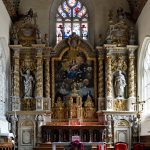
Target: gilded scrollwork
28,104
120,105
118,32
119,63
27,62
25,31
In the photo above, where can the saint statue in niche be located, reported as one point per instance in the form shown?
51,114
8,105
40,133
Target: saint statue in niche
119,84
28,84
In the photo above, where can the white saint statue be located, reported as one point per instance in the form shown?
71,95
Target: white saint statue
119,84
28,84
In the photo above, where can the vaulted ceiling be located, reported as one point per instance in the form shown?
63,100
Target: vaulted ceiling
136,7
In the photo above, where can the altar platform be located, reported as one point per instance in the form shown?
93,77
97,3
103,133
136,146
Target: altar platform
63,132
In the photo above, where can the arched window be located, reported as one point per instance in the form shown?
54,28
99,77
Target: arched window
71,17
146,81
144,76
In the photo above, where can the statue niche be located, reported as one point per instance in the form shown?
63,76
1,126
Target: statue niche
28,86
119,84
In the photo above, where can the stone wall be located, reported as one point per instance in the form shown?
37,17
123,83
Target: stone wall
5,60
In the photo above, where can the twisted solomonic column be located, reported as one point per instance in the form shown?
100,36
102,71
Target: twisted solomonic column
16,78
47,100
47,78
101,99
109,101
131,77
39,83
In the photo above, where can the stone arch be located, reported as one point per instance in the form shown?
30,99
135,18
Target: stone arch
53,11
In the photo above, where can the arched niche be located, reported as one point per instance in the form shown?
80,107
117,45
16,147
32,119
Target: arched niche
27,132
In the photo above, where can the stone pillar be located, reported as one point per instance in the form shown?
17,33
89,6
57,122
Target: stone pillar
39,119
14,120
101,99
109,129
39,81
91,135
131,77
108,80
47,100
16,92
60,135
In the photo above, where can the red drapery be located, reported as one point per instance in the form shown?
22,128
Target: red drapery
121,146
138,146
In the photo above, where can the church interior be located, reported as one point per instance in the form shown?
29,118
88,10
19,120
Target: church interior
74,75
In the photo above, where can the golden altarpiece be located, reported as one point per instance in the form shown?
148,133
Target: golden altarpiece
73,88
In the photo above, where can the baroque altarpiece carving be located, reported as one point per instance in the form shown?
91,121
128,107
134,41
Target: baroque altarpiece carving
73,89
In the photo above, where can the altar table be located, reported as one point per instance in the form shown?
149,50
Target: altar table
54,144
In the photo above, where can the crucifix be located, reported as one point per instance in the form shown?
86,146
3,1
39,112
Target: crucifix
139,108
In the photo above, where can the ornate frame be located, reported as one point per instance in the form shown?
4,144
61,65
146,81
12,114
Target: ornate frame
84,48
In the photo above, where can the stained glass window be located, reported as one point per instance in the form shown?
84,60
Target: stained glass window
71,17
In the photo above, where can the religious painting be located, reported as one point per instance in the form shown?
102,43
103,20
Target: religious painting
74,76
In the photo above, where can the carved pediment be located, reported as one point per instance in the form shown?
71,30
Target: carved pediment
75,43
25,31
